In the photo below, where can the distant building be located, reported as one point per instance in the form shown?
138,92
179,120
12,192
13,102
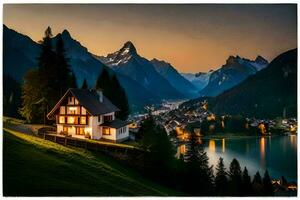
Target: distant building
88,114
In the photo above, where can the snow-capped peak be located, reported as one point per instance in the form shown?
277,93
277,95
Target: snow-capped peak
120,57
127,48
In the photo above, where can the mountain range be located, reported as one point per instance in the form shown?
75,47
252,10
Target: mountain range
199,80
167,71
270,93
151,74
152,81
233,72
20,53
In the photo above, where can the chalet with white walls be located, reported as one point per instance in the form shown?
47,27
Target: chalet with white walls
88,114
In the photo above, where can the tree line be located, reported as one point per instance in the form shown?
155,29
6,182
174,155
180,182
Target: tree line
192,174
46,84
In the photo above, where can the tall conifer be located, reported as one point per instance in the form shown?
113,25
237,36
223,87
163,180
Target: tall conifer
221,181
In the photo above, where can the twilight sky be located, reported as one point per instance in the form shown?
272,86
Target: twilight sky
192,38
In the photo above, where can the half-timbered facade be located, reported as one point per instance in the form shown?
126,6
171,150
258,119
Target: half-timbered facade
88,114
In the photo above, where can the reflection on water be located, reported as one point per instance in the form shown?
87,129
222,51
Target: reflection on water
223,145
262,150
212,145
293,139
278,154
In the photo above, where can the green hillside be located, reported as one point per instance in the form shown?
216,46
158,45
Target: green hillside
36,167
269,93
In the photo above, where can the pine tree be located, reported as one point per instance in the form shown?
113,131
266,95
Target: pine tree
41,86
84,85
160,160
48,70
119,98
30,96
73,82
257,184
200,174
235,178
44,86
246,183
113,90
221,181
62,62
103,83
268,189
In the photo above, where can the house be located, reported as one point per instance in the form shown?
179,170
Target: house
88,114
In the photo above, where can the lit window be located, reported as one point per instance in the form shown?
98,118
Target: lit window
71,100
61,119
82,120
76,101
79,131
62,110
83,111
65,129
73,110
105,131
71,120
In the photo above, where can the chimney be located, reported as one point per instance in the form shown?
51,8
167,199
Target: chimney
100,95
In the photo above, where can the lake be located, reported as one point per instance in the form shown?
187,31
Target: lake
278,154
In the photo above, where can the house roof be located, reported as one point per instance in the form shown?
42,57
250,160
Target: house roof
117,123
89,99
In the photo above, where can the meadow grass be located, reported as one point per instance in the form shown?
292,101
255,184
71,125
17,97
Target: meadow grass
36,167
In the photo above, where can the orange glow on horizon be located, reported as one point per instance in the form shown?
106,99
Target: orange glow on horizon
203,42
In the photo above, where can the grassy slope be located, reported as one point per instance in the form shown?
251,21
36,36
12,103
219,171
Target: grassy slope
35,167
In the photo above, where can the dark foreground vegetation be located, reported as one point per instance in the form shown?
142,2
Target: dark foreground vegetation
192,174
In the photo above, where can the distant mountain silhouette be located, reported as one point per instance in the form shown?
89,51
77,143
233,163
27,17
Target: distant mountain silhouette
199,80
265,94
128,62
231,74
175,79
20,53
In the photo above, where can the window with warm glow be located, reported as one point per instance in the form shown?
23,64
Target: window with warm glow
71,120
106,131
62,110
73,110
82,120
83,111
61,119
79,131
71,100
65,129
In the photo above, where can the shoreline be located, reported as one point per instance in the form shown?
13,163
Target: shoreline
236,136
